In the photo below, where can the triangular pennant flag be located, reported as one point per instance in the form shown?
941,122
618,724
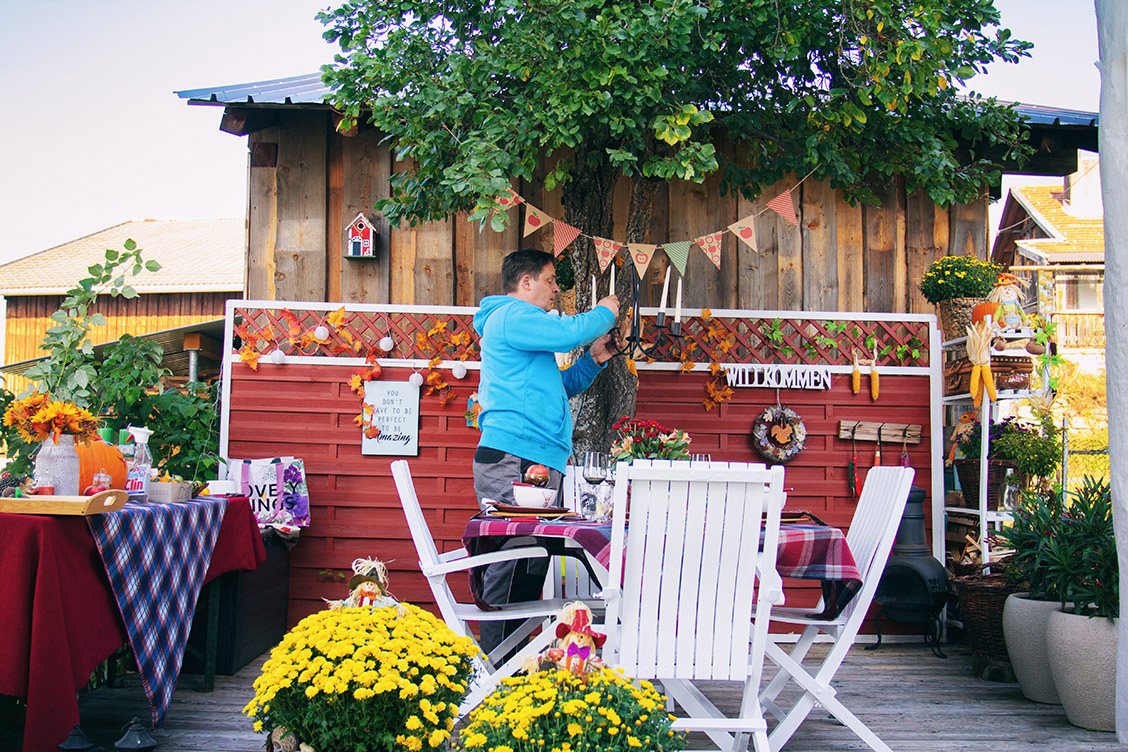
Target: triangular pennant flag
509,199
745,229
781,205
562,234
711,244
605,251
678,253
535,219
641,253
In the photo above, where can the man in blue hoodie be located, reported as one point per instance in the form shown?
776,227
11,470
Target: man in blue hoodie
525,418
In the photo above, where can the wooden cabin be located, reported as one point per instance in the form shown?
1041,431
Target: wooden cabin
782,303
202,267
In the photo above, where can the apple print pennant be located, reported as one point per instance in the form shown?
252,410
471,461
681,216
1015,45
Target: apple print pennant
605,251
562,234
711,244
509,199
781,205
678,253
641,253
745,229
535,219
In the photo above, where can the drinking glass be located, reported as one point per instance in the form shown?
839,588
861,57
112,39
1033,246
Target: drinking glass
700,458
594,472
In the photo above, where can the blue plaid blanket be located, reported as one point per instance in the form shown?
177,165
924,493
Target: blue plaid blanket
156,556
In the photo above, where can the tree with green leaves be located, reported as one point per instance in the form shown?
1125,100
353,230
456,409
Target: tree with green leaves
473,93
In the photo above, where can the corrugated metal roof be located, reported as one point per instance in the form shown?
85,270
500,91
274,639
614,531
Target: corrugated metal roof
306,89
196,255
309,89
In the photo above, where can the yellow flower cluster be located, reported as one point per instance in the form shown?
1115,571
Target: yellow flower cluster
958,277
558,711
372,678
37,417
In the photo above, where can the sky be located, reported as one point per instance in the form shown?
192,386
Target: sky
92,134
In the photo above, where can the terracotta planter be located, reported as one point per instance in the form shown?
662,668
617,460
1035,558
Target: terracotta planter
955,315
1082,653
1024,628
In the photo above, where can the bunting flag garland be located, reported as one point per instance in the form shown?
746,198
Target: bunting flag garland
562,235
641,253
678,253
509,199
781,205
605,251
745,229
535,219
711,245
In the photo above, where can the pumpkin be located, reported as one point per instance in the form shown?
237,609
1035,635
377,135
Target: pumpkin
95,456
983,310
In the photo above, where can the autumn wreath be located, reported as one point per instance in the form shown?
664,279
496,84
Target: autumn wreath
779,434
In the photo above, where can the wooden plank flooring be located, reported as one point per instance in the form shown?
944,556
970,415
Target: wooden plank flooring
914,701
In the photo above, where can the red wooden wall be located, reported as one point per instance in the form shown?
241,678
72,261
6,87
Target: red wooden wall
308,410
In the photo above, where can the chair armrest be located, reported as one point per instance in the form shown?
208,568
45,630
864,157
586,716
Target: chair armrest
457,553
460,565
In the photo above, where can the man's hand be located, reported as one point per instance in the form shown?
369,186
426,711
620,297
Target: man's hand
603,349
612,302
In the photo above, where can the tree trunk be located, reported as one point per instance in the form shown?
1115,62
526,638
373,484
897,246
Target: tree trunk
587,205
1112,35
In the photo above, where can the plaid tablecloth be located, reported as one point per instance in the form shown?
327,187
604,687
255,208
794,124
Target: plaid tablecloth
809,552
155,557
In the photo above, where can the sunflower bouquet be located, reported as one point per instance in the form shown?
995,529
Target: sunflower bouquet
562,710
37,418
384,678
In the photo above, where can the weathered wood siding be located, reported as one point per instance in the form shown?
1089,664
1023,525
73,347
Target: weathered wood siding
308,411
28,319
308,183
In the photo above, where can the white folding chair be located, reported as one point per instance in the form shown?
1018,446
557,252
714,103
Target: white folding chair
436,567
870,539
687,602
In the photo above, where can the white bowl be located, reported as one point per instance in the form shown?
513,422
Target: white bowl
533,496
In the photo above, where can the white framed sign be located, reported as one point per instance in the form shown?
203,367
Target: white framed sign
395,411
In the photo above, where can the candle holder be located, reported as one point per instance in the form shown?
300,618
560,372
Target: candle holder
667,342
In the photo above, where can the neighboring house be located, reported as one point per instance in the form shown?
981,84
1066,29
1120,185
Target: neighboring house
201,267
1053,236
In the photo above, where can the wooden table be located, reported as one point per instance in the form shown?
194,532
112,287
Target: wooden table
60,619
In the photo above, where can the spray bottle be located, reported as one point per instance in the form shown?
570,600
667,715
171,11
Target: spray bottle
137,479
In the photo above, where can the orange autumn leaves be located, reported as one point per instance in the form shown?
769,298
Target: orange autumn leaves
719,343
305,340
38,418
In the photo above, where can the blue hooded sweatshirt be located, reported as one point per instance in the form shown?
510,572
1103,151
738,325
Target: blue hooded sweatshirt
524,395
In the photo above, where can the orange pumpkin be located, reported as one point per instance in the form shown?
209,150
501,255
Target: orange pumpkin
95,456
983,310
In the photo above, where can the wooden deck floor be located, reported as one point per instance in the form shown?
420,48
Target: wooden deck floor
911,699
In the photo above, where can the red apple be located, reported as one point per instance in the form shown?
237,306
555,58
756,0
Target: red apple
92,489
537,475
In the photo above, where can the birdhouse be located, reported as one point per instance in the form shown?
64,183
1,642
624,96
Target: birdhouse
361,239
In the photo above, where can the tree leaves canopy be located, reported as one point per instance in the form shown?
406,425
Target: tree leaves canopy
472,92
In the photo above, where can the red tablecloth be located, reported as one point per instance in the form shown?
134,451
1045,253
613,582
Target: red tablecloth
58,618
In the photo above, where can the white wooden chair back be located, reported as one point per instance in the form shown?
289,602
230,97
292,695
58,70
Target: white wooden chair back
690,579
873,529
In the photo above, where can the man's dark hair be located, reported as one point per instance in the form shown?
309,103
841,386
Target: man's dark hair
522,262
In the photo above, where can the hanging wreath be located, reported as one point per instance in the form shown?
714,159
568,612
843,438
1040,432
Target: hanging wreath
779,434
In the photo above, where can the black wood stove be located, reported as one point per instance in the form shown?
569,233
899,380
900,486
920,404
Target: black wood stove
914,586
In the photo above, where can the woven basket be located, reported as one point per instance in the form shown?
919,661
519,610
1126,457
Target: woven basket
967,470
1008,372
955,315
981,598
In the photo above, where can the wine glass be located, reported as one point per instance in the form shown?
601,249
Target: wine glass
594,472
700,458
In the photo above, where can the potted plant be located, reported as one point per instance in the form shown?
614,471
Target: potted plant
1031,450
957,284
1082,568
1026,614
647,439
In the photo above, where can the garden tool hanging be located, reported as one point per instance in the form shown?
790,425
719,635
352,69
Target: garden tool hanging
852,471
877,451
905,447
